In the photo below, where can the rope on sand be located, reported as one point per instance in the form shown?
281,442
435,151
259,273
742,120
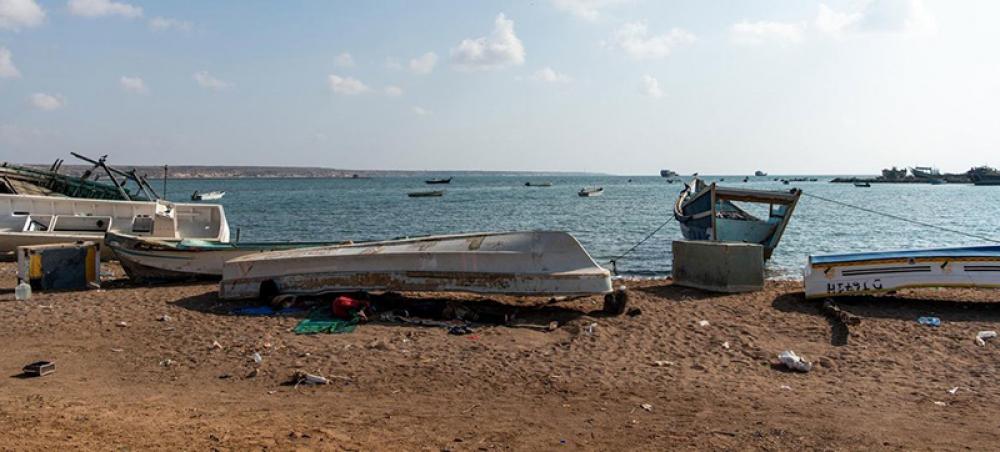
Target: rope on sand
614,261
908,220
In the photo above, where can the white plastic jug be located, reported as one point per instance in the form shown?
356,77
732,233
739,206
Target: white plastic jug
22,291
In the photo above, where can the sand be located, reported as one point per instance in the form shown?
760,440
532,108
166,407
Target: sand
155,384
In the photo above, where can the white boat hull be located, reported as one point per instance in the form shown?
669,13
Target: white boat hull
872,273
518,263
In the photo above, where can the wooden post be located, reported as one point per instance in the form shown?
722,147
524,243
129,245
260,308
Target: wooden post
164,181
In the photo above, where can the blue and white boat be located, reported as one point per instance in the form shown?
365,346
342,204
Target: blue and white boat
709,212
876,272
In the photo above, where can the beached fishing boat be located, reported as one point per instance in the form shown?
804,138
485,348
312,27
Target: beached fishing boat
151,259
39,220
426,194
538,184
876,272
209,196
438,181
516,263
708,212
590,192
22,180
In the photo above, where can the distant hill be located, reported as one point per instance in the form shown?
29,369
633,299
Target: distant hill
252,172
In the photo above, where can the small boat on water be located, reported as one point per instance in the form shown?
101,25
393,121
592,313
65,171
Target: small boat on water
438,181
862,184
759,173
590,192
709,212
538,184
668,173
426,194
39,220
207,196
876,272
152,260
514,263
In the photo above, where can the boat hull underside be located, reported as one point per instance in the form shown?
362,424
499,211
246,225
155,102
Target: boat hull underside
879,276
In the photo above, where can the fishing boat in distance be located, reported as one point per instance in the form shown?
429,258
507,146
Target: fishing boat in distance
759,173
438,181
862,184
877,272
668,173
426,194
590,192
925,172
709,212
512,263
157,260
538,184
39,220
984,175
207,196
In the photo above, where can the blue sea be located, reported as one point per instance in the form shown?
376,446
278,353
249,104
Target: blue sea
631,208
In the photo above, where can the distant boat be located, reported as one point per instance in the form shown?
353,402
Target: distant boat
538,184
209,196
667,173
746,179
426,194
759,173
937,181
862,184
438,181
590,192
514,263
984,175
925,172
708,212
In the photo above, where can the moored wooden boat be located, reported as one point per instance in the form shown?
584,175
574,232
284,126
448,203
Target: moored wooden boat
590,192
538,184
38,220
517,263
426,194
708,212
877,272
149,260
438,181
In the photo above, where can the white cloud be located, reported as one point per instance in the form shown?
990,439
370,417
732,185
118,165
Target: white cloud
550,75
651,86
98,8
166,23
17,14
422,111
47,102
346,85
756,33
7,68
393,91
423,64
499,50
206,80
133,85
634,39
909,17
834,22
586,9
344,60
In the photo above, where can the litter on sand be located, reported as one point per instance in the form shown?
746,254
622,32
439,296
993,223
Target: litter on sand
663,363
703,323
929,321
794,362
983,335
304,378
646,407
939,403
953,391
256,357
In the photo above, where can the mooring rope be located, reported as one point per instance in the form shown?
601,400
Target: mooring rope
614,261
908,220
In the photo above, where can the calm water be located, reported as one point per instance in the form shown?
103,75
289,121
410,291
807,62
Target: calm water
369,209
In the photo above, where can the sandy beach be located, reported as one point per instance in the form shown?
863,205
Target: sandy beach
126,379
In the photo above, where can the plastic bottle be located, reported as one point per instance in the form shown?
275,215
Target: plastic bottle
22,291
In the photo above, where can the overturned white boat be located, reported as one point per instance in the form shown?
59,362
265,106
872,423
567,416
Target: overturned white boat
870,273
516,263
39,220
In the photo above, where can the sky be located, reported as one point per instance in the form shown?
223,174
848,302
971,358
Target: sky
611,86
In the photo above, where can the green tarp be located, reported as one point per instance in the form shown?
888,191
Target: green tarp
321,321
